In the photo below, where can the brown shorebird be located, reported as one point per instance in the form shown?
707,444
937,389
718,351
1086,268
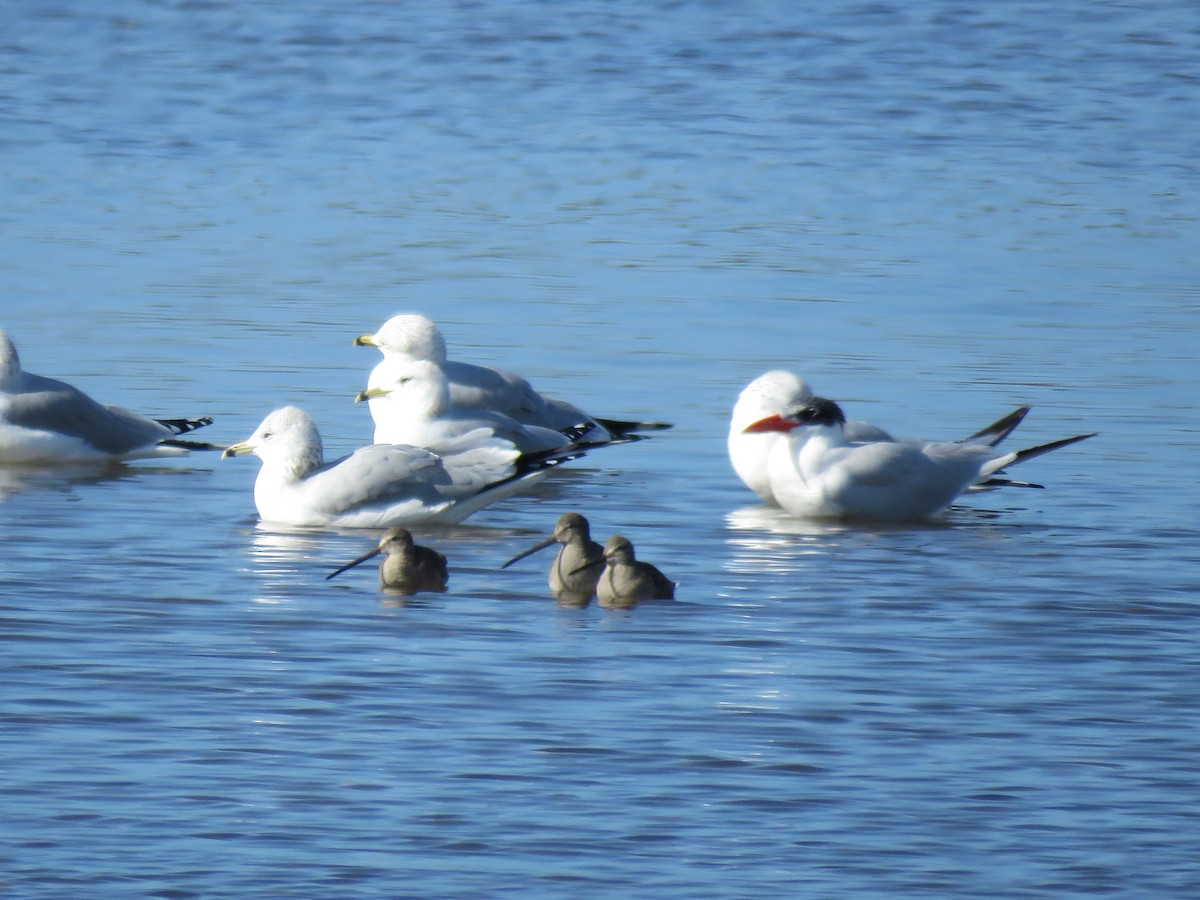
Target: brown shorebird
626,582
406,567
576,568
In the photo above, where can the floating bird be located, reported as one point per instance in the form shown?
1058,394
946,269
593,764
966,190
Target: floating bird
778,392
817,472
382,484
406,566
405,338
414,408
46,422
576,567
626,582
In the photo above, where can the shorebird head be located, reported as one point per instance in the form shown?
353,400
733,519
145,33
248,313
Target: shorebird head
395,540
568,526
618,550
571,525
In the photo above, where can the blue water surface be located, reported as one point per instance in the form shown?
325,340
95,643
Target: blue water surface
934,212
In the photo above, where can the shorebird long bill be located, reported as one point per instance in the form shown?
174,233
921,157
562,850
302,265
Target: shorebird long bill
355,562
590,565
541,545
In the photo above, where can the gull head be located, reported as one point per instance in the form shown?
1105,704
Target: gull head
287,438
407,336
416,387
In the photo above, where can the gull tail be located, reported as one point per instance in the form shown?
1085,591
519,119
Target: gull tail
183,426
190,445
624,428
992,483
1011,459
576,433
539,460
1000,429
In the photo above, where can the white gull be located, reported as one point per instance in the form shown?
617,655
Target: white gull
382,484
409,337
412,406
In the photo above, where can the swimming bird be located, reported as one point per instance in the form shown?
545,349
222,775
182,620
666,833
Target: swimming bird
817,472
382,484
777,392
626,581
412,406
46,422
576,567
406,566
408,337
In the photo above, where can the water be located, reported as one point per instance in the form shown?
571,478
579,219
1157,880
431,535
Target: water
935,213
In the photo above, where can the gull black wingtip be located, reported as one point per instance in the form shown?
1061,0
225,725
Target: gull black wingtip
183,426
628,428
192,445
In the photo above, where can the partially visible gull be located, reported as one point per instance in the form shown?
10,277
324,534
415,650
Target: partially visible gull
47,422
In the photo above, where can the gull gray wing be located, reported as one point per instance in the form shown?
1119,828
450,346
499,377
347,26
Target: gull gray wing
46,404
375,475
480,387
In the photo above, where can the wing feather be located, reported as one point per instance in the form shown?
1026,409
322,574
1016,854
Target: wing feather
45,404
